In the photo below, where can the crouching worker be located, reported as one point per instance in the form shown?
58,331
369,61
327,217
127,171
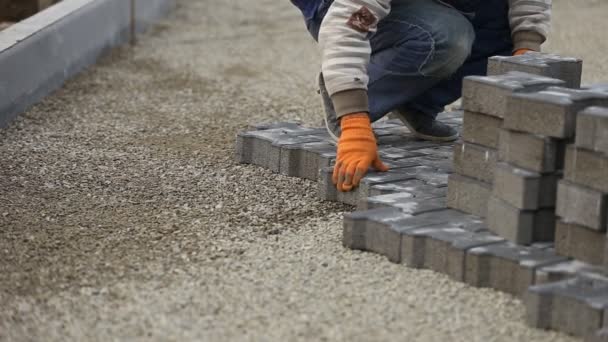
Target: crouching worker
407,57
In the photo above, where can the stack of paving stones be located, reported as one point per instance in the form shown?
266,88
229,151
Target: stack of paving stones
475,157
582,202
515,129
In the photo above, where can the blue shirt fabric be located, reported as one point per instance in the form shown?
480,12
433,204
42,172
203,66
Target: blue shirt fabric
308,7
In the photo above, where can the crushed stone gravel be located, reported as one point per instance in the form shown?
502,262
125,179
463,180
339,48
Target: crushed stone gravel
124,217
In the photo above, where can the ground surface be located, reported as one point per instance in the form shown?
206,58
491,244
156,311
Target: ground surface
123,215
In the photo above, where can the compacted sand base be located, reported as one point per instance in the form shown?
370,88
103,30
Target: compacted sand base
124,216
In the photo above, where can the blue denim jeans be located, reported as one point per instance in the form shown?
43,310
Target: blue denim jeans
424,48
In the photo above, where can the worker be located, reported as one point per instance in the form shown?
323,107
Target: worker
407,57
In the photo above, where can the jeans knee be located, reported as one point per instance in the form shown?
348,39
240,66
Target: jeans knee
453,44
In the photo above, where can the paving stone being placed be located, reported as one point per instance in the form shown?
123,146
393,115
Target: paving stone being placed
442,247
586,168
520,226
579,242
550,65
393,153
574,306
481,129
551,112
592,126
468,195
564,270
488,94
506,266
328,191
532,152
582,206
525,189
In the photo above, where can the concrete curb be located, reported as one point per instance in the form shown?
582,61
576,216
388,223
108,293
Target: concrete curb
40,53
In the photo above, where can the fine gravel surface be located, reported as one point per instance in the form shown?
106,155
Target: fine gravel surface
124,217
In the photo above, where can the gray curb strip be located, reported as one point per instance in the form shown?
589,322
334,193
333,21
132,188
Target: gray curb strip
40,53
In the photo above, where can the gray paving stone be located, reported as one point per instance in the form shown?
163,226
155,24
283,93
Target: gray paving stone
488,94
481,129
586,168
442,248
550,65
579,242
283,157
468,195
416,187
328,191
456,114
475,161
375,231
582,206
532,152
564,270
599,336
406,201
592,129
393,153
506,266
573,306
551,112
524,189
520,226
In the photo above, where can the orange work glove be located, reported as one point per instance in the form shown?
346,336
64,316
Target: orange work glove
521,52
357,151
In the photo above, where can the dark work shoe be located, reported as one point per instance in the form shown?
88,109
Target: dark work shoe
425,128
330,118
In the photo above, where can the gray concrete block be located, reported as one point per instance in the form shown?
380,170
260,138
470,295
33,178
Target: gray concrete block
599,336
488,94
38,54
506,266
415,187
550,65
586,168
583,206
579,242
532,152
551,112
520,226
442,248
468,195
456,114
393,153
481,129
592,129
405,201
328,191
573,306
475,161
564,270
280,157
315,156
375,231
524,189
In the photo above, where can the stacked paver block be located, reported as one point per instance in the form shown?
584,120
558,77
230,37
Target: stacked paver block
531,160
582,203
475,157
543,64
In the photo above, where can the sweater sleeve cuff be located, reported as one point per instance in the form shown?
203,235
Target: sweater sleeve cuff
350,101
527,40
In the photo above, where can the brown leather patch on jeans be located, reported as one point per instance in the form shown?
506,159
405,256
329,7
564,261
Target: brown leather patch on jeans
362,20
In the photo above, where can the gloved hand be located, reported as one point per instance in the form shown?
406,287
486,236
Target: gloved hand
357,151
521,52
